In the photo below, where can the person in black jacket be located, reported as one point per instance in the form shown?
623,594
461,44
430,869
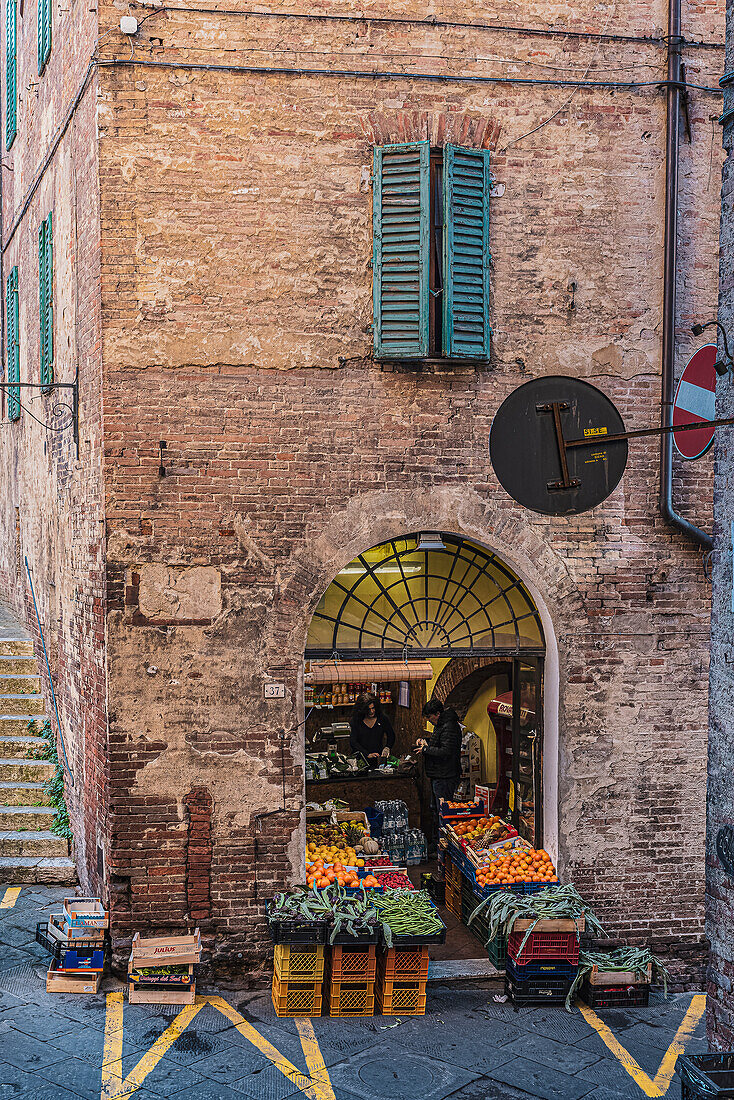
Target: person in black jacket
371,730
442,754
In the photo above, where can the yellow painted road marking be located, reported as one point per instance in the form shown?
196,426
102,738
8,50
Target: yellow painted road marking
317,1086
10,897
314,1057
660,1083
316,1089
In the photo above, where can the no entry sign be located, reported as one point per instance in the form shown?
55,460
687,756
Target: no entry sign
695,399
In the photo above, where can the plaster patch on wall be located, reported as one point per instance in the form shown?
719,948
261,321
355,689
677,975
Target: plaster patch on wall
174,594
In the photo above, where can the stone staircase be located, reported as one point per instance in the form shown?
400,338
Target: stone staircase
29,851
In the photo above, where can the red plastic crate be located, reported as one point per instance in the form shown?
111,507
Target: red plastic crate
543,945
409,964
352,964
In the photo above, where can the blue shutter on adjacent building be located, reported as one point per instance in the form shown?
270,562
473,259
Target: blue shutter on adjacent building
466,183
401,224
46,282
12,345
44,33
11,78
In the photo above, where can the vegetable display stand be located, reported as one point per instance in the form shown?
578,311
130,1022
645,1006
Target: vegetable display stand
351,998
706,1076
59,981
352,964
616,996
299,962
400,998
296,998
537,991
400,964
563,946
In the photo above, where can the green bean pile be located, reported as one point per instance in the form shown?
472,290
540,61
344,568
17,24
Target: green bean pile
407,913
635,959
553,903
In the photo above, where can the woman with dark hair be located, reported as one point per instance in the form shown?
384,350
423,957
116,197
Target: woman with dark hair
372,733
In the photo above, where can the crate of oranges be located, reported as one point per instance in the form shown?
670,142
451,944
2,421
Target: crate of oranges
320,874
522,870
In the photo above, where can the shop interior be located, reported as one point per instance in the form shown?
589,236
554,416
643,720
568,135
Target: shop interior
429,614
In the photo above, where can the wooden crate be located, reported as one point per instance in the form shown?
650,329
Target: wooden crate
138,995
59,981
161,983
609,978
85,913
166,949
550,925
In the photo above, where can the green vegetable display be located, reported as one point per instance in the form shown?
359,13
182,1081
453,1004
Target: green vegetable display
635,959
354,914
552,903
407,913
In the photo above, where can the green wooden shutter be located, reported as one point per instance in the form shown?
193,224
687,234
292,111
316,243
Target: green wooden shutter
401,228
12,346
466,183
45,281
11,79
44,33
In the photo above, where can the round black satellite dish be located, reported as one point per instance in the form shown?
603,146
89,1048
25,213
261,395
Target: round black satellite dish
530,435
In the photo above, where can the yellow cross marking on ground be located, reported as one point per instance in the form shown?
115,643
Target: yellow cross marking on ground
10,897
317,1086
660,1083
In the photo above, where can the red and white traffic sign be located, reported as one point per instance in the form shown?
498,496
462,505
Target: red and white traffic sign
695,399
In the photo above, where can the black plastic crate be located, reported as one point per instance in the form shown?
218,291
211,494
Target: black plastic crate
537,991
706,1076
344,939
296,930
74,954
539,969
616,996
418,941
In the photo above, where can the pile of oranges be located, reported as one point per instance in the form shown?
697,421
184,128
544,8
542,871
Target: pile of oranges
523,865
475,826
319,875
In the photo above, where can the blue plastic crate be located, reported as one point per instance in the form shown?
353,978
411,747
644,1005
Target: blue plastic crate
74,959
537,968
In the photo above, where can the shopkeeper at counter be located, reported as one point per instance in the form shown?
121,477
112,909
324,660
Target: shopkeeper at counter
372,733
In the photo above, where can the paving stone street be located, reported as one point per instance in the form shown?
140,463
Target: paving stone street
469,1046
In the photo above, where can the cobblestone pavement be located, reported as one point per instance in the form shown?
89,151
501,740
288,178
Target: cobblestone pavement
468,1046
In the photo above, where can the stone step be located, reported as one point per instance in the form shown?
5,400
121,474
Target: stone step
17,663
20,748
14,704
19,683
20,819
39,843
25,770
21,725
16,647
23,794
59,871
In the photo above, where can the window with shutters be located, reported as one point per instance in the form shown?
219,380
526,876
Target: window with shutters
46,299
44,33
12,343
431,252
11,72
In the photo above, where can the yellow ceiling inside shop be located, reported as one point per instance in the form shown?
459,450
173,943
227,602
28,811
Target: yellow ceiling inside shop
395,595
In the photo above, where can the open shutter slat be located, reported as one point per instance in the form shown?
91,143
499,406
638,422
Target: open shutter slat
466,178
11,78
401,226
13,343
45,284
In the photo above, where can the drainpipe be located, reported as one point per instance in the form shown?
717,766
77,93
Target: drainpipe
670,250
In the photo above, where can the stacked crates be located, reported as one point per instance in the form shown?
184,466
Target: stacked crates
453,876
617,989
161,969
543,970
298,977
402,975
77,940
350,985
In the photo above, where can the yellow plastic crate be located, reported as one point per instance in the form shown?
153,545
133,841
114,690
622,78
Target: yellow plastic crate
299,962
296,998
401,998
351,998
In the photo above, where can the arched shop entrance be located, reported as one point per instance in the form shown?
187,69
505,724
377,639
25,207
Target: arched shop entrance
429,613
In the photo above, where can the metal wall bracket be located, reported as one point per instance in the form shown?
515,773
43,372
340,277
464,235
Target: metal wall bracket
71,408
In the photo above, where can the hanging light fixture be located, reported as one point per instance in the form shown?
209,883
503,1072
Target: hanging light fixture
430,540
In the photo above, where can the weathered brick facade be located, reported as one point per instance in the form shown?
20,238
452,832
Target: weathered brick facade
226,288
